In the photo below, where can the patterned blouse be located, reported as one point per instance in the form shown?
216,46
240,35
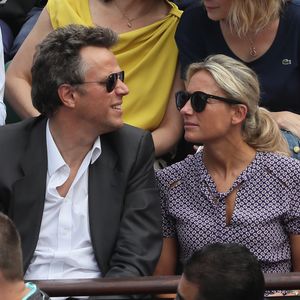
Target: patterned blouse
267,208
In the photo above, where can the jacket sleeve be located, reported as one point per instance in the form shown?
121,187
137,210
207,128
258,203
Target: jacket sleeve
140,240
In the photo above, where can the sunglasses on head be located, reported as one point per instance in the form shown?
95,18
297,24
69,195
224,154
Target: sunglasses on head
110,82
199,100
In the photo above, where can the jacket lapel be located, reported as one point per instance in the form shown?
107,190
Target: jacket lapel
29,191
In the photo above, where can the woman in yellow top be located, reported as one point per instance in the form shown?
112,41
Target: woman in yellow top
146,51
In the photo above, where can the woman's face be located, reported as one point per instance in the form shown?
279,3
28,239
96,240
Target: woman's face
217,9
215,121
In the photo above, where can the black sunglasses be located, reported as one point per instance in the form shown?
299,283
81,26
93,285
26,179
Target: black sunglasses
110,82
199,100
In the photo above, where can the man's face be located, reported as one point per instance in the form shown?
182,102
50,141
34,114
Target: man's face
187,290
97,107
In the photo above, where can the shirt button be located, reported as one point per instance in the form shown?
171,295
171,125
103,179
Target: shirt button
296,149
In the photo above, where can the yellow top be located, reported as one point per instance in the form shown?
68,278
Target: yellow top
148,56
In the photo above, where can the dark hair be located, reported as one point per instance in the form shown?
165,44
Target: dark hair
57,60
226,271
11,265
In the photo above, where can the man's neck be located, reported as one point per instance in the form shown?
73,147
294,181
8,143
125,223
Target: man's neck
72,142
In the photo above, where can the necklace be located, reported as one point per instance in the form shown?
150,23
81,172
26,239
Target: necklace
129,20
252,48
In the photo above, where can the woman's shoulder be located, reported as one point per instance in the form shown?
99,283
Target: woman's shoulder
284,168
63,12
178,170
194,16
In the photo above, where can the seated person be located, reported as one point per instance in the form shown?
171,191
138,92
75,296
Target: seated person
17,18
266,40
240,187
2,81
146,51
12,286
222,272
84,179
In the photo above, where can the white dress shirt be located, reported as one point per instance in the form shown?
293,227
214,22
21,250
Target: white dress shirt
64,249
2,81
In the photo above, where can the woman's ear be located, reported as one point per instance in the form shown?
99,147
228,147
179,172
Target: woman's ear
239,113
66,94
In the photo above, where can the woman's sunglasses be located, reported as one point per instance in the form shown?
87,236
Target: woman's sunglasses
199,100
110,82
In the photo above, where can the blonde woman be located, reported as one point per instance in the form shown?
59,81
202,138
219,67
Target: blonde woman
146,51
264,34
240,187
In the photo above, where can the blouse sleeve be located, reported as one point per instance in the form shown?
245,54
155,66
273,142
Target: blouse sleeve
292,218
168,223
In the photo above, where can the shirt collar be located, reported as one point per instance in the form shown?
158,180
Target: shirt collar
56,161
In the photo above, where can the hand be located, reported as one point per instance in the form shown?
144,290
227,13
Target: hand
288,121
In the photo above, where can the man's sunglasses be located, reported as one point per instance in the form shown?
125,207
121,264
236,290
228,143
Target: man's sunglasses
199,100
110,82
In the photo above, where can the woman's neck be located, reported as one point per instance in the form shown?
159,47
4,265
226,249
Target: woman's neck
127,15
228,159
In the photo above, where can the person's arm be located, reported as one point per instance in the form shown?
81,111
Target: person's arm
18,75
166,136
288,121
295,249
168,258
139,240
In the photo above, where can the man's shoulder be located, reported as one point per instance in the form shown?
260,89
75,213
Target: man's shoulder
126,134
16,135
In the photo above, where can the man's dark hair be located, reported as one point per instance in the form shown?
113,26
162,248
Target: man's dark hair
11,265
225,271
57,60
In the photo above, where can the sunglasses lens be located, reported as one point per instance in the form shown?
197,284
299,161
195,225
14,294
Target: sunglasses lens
198,101
112,80
181,99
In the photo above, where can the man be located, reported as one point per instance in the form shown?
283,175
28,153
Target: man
79,184
12,286
221,272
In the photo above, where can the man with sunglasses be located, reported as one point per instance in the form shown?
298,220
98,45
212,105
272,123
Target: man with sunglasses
79,184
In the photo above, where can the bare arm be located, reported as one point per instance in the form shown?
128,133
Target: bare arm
295,248
288,120
170,129
168,258
18,75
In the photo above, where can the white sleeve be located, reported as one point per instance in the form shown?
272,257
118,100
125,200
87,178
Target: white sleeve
2,81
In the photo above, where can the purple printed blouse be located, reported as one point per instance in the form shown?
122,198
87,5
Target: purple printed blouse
267,208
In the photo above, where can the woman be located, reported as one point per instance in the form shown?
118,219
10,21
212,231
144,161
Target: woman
146,51
264,34
239,187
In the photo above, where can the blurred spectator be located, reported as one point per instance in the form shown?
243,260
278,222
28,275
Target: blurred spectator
17,18
267,40
12,286
222,272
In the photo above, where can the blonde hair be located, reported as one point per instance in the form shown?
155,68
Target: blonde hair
239,82
253,15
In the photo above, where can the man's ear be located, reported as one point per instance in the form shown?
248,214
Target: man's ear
239,113
66,93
